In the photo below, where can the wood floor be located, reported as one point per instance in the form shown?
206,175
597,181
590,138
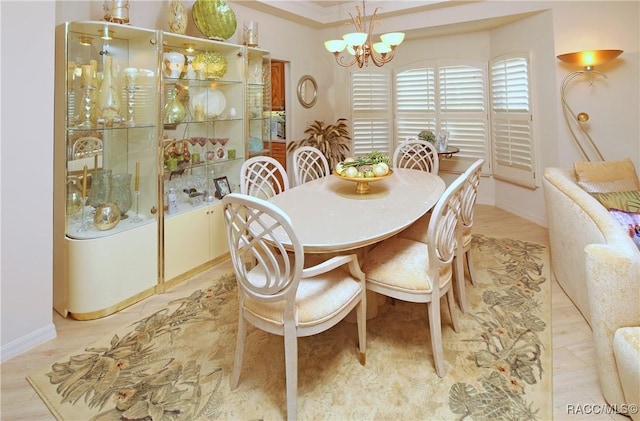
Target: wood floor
574,375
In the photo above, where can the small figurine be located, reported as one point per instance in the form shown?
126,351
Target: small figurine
172,200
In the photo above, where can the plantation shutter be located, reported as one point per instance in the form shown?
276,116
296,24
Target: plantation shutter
371,116
463,104
415,102
446,95
511,116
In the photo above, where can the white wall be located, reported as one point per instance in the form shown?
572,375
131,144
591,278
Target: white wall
26,151
26,130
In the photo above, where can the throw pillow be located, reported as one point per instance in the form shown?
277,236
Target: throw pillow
623,200
607,176
630,222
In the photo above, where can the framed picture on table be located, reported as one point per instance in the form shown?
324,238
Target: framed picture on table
222,187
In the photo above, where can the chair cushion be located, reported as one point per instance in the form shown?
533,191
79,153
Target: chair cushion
402,264
607,176
418,230
626,349
318,298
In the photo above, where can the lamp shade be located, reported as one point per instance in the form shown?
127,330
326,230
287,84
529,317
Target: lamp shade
335,45
392,38
589,58
355,38
381,48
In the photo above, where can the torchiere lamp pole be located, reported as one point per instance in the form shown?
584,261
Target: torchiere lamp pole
587,60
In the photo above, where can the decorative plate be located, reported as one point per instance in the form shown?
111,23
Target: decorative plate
212,100
220,153
214,18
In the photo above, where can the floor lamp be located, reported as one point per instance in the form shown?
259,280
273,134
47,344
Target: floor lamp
587,60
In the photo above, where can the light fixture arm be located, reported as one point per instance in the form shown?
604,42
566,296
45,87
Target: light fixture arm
572,119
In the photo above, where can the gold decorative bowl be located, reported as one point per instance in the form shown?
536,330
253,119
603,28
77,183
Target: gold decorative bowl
362,183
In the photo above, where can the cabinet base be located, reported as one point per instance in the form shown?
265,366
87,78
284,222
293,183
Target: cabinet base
195,271
114,308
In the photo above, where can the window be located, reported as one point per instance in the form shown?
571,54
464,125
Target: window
371,107
451,95
446,95
511,118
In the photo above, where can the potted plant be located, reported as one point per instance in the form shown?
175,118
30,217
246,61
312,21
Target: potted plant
332,140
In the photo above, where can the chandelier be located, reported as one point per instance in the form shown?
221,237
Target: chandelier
359,43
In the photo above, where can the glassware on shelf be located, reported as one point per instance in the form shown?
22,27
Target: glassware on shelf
109,98
131,75
121,193
174,111
74,197
100,187
83,221
88,85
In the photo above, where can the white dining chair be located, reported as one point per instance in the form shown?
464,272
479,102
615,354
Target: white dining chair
409,270
416,154
467,206
258,177
278,294
309,164
418,230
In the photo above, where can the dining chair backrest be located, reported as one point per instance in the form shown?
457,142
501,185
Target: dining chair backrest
470,193
258,177
251,225
442,235
418,155
309,163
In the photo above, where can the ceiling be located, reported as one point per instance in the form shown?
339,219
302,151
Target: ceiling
325,13
322,14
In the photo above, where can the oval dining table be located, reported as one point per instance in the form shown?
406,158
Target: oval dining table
328,215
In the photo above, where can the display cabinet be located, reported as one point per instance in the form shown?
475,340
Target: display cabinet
105,167
151,129
258,101
203,148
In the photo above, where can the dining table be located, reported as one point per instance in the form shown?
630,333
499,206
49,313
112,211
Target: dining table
329,216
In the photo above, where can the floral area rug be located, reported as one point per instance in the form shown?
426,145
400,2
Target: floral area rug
175,364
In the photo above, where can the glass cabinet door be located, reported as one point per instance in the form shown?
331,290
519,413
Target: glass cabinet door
258,102
111,127
203,121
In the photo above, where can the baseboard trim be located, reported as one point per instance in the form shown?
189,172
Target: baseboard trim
25,343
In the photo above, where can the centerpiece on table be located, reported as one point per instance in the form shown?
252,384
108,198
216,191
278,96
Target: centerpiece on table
371,167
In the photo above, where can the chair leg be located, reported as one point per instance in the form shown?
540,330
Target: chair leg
291,369
436,336
362,328
467,258
452,311
240,341
460,282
